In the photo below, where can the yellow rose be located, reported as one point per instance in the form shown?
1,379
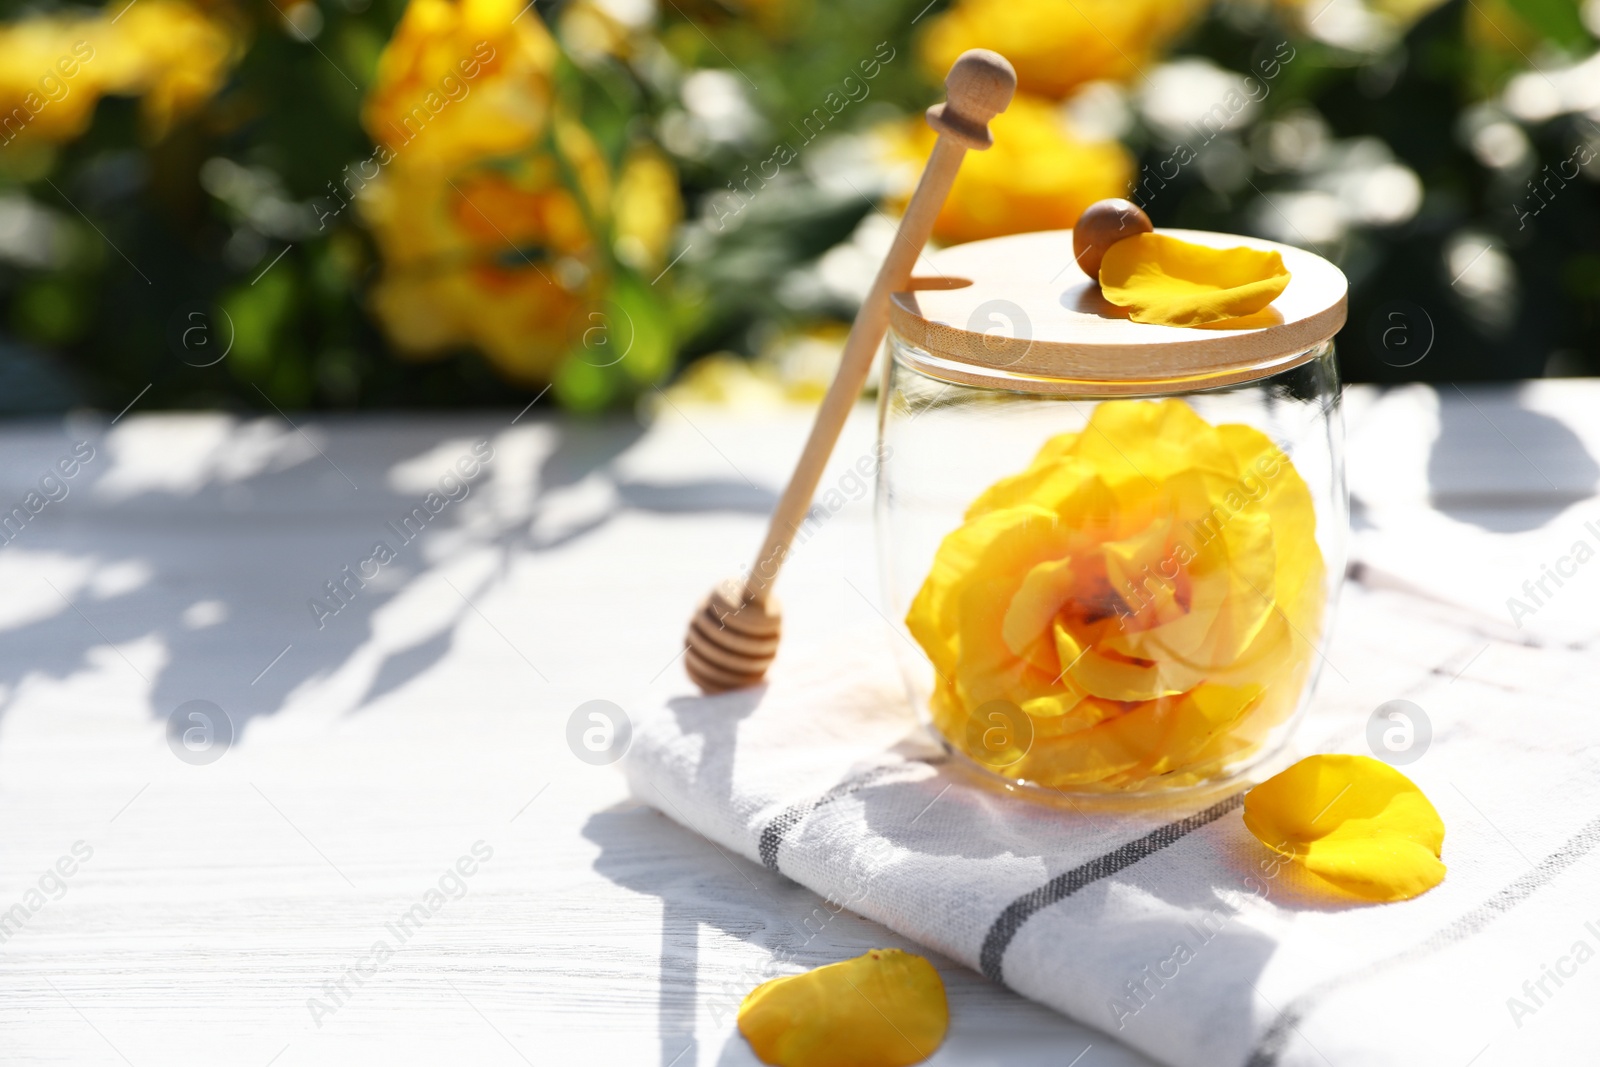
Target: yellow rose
490,204
173,54
493,257
54,69
1058,45
460,81
39,98
590,31
1037,176
1140,602
647,209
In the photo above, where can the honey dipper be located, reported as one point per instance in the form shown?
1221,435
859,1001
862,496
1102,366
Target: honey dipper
733,636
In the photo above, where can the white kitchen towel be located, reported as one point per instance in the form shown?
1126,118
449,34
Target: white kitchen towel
1170,927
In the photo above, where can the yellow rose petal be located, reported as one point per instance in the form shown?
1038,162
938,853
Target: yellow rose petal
1168,282
884,1009
1153,738
1356,822
936,616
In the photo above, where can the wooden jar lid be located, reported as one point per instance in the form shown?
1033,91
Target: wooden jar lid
1016,313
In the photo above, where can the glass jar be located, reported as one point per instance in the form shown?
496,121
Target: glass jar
1113,554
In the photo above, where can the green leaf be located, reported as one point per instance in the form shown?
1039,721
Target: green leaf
646,328
258,314
1556,20
583,387
51,311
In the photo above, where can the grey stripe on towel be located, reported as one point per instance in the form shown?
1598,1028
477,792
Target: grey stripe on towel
1064,885
773,834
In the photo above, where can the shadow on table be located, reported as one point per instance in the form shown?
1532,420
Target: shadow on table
1503,467
220,568
644,851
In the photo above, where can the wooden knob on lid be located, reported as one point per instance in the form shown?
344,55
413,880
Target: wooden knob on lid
979,86
1102,225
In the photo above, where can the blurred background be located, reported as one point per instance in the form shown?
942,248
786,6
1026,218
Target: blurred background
348,204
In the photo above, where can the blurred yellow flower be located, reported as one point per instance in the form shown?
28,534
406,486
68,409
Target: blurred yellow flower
796,367
487,203
454,269
174,54
647,208
1038,175
54,69
590,30
1356,823
44,88
1058,45
1495,26
723,379
478,80
1137,603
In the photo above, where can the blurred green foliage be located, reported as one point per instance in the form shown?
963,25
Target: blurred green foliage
130,243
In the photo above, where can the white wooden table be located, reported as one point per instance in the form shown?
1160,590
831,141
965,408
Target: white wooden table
212,910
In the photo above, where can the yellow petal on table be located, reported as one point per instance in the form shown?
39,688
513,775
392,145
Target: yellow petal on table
884,1009
1356,822
1168,282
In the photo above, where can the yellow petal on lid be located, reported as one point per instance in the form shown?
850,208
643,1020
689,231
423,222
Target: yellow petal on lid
1354,821
884,1009
1167,282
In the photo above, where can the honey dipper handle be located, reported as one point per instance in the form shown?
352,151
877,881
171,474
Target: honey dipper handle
979,86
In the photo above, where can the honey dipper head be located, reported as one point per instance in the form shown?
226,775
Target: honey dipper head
979,86
731,642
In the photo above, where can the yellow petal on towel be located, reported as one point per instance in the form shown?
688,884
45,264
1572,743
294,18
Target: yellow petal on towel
1167,282
884,1009
1355,822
